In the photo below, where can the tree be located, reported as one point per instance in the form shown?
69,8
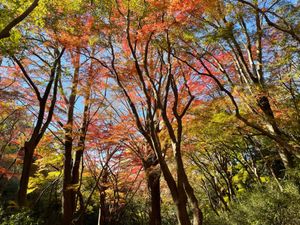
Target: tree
244,80
41,123
155,93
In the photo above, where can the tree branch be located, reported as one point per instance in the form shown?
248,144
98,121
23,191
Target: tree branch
6,31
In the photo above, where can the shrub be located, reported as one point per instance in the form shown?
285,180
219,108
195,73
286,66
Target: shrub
263,206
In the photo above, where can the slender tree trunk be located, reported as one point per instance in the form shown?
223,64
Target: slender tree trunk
177,190
40,126
29,148
285,151
103,208
154,187
181,205
81,143
153,180
27,162
68,206
287,157
69,203
197,214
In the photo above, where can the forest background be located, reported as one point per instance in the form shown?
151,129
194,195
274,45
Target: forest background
149,112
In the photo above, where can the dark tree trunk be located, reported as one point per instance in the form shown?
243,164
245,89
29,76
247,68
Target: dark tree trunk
153,180
79,155
181,206
27,162
154,187
102,209
103,218
285,151
69,203
40,126
188,189
177,190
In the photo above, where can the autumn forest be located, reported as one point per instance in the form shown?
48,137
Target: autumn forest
145,112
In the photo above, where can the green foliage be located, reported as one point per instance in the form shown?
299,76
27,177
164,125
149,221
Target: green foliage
134,214
263,205
9,10
45,174
23,217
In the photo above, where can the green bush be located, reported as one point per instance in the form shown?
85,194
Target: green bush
18,218
262,206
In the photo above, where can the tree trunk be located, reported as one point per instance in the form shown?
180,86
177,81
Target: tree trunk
103,208
181,206
154,187
188,189
177,191
286,157
29,148
27,162
81,146
40,126
68,206
153,180
69,203
286,152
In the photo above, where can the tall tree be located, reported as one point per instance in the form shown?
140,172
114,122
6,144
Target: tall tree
244,78
41,123
157,91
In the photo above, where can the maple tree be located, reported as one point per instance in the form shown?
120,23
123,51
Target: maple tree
245,81
41,124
